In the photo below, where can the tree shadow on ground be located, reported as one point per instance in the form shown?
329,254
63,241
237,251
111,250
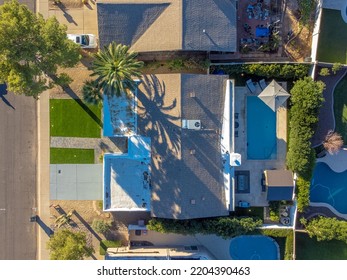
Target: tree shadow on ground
91,230
3,92
75,97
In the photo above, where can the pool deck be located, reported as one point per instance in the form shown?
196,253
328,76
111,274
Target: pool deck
256,197
337,162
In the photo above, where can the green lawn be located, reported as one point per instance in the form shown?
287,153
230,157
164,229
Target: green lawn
73,118
104,244
332,44
309,249
63,155
340,108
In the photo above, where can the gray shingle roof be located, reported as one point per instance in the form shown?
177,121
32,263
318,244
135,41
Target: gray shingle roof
125,23
209,25
186,172
169,25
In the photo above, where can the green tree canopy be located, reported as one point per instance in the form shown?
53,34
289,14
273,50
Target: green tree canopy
306,99
115,69
68,245
324,228
31,49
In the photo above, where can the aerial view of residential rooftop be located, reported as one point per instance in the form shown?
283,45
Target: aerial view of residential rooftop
174,130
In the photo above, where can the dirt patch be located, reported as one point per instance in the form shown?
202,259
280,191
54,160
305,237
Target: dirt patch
79,74
84,212
297,38
64,4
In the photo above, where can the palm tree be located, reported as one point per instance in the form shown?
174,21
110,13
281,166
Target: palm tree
91,92
115,67
333,142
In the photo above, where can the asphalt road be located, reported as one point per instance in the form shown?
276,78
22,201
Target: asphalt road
18,163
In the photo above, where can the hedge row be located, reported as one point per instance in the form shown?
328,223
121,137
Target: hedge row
306,99
225,227
276,71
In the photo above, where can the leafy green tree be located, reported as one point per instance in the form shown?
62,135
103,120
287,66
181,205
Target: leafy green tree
115,69
68,245
31,49
91,92
324,228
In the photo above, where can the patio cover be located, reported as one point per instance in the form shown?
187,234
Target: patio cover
274,95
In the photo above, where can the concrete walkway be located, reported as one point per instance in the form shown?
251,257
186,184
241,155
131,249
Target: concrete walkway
99,145
43,191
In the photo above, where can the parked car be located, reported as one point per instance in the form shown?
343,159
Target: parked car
84,40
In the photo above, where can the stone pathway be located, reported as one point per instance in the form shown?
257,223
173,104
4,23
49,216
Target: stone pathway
100,145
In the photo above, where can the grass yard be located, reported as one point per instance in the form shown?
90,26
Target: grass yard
340,108
63,156
73,118
332,44
309,249
105,244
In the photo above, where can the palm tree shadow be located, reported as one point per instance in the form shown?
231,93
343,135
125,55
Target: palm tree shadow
75,97
157,117
3,92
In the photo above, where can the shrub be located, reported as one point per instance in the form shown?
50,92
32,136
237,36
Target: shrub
289,251
275,232
105,244
324,72
336,67
101,226
303,193
225,227
176,64
271,70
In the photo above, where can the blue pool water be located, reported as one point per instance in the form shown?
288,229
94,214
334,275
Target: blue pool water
329,187
261,130
107,128
253,247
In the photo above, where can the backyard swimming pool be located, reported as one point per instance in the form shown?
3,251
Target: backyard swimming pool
329,187
254,247
261,130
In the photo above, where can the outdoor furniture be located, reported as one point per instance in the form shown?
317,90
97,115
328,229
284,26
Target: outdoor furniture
251,86
262,84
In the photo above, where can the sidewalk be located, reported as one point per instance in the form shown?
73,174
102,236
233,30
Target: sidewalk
43,195
77,20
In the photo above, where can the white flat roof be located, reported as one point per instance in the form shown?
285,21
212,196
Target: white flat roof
127,178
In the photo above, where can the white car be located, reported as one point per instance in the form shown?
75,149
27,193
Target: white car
84,40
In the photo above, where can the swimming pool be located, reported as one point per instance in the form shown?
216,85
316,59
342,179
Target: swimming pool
329,187
254,247
261,130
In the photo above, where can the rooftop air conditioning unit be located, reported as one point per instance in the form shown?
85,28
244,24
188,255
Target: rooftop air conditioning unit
191,124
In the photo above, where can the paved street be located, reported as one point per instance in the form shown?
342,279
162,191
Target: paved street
18,153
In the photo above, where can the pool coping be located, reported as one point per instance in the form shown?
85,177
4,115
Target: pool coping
331,208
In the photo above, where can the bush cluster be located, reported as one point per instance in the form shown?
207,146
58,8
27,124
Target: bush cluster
276,71
306,99
226,227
